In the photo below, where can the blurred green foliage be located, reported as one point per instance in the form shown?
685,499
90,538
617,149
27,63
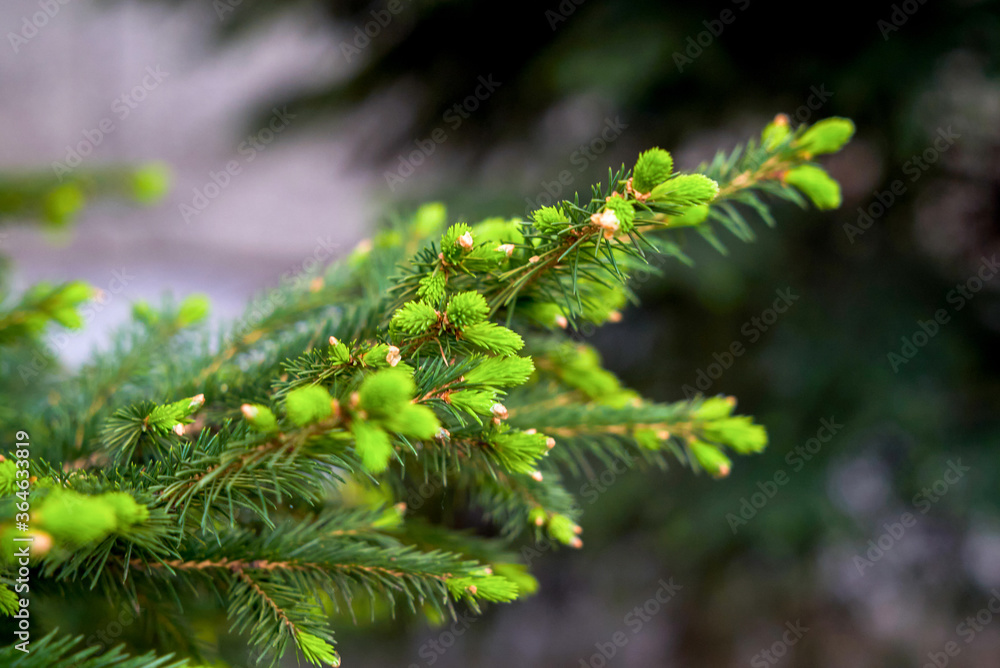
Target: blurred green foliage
824,359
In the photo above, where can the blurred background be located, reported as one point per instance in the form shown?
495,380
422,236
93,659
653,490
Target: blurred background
868,534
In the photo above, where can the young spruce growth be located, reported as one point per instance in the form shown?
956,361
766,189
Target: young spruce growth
282,472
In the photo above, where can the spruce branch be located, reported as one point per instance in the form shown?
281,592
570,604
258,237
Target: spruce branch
53,650
271,466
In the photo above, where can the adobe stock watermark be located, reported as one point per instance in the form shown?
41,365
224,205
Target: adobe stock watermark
48,351
370,30
432,650
224,7
541,545
900,14
295,278
957,298
121,108
818,97
714,28
634,621
816,100
923,501
915,167
753,329
416,497
457,114
770,656
589,491
796,459
968,630
249,148
581,158
31,25
105,638
562,12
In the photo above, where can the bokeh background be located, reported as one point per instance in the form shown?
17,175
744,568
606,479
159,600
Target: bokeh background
576,87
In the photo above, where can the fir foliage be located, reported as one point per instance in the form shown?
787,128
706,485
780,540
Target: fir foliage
266,467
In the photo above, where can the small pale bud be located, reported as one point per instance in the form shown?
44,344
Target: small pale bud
473,589
576,542
741,180
393,357
531,431
562,321
466,241
249,412
615,316
499,411
550,442
197,401
536,476
642,197
41,544
533,259
334,341
539,521
506,248
607,221
179,429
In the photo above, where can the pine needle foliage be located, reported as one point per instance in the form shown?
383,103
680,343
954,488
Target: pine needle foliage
281,467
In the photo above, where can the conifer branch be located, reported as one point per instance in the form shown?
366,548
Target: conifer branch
272,466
